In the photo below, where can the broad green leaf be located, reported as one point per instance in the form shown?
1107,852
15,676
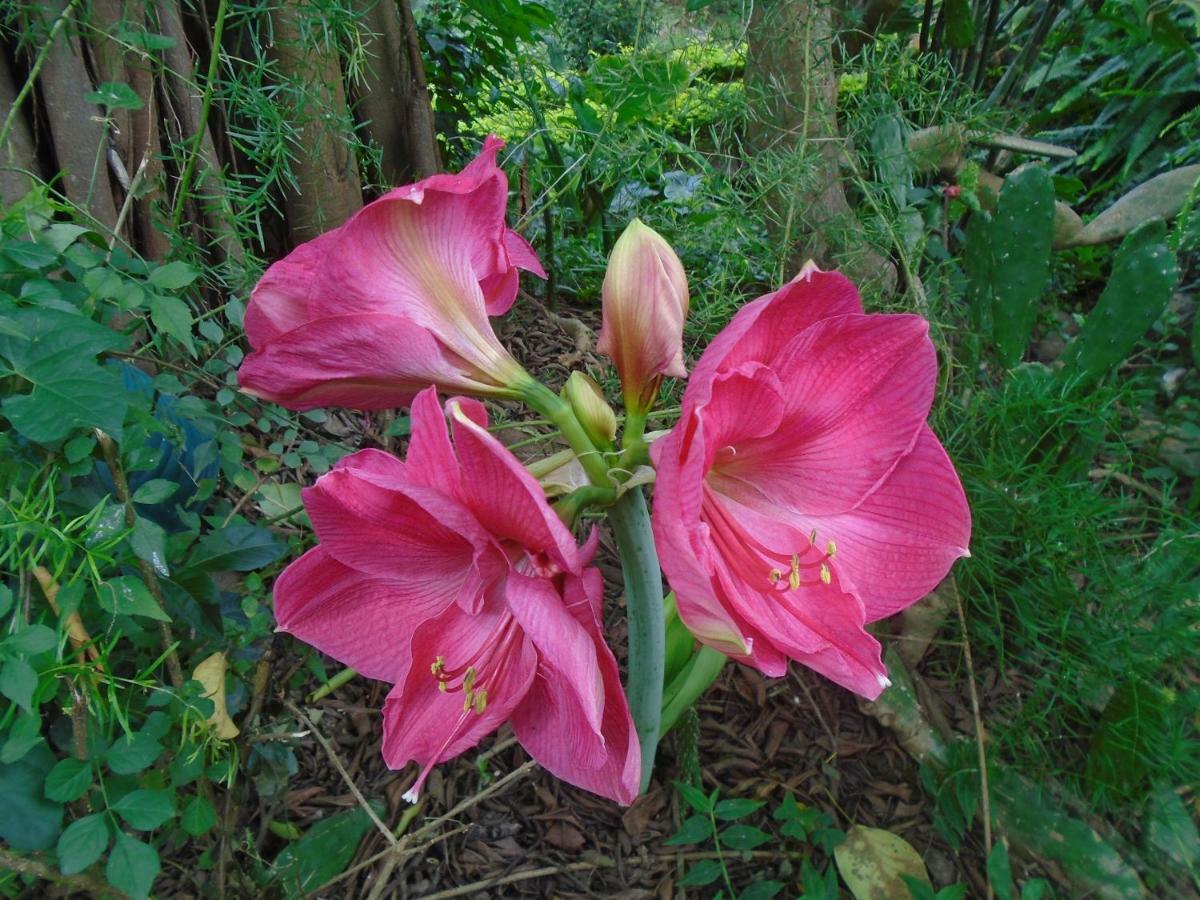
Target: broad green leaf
28,255
238,548
128,595
743,837
871,862
198,817
114,95
700,873
28,821
761,890
132,867
69,779
55,352
999,871
82,843
695,798
79,448
129,754
173,276
695,829
172,316
30,640
729,810
1171,830
324,851
149,542
61,235
23,736
155,491
146,810
6,599
18,681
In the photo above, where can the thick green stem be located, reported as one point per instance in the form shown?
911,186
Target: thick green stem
574,503
630,521
559,412
700,671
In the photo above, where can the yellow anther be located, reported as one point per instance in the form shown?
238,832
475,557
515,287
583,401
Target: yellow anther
469,680
468,701
794,575
775,575
437,666
830,549
442,686
812,538
826,575
480,702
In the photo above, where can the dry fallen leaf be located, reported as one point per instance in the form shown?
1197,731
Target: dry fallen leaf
211,674
871,862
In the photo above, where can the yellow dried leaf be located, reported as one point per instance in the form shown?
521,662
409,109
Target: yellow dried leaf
211,674
872,860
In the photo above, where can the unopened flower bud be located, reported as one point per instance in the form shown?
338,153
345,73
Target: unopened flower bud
590,408
645,302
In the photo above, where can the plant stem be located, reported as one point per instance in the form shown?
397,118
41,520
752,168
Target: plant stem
185,180
630,521
337,681
700,672
574,503
559,412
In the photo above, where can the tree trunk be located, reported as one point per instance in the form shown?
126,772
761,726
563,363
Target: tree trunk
389,104
328,189
792,88
76,128
19,170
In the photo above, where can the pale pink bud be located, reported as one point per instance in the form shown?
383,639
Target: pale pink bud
645,302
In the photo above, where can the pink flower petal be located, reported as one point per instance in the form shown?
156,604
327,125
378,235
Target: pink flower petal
895,546
547,721
363,361
423,723
504,497
858,391
430,456
361,621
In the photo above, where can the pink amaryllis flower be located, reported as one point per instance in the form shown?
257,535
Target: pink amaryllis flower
449,576
802,494
394,300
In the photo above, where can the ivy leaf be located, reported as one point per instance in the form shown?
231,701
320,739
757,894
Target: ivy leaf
114,95
18,681
146,810
82,843
132,753
132,867
127,595
69,780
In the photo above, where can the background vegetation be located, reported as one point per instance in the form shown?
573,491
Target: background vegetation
1023,174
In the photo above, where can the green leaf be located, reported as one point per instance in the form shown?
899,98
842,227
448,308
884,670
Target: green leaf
18,681
114,95
743,837
61,235
129,754
173,276
172,316
6,599
28,821
1171,830
23,736
695,829
960,24
132,866
69,780
28,255
238,548
128,595
324,851
146,810
761,890
79,448
999,871
695,798
729,810
198,817
30,640
82,843
149,542
155,491
702,872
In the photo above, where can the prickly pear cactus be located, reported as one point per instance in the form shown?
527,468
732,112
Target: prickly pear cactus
1143,275
1007,261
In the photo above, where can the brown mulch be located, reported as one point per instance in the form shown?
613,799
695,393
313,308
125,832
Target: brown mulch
758,738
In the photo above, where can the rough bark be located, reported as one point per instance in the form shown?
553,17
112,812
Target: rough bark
426,160
326,173
18,157
76,127
792,88
389,102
